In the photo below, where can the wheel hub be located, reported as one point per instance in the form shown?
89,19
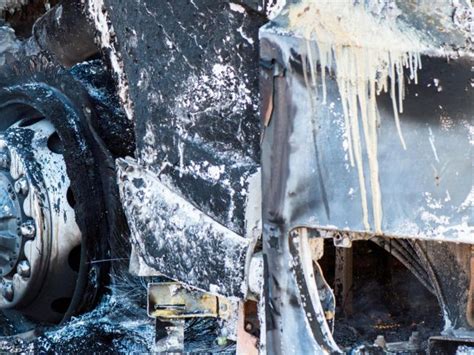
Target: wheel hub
39,238
11,219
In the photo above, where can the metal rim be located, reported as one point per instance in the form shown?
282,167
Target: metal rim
40,275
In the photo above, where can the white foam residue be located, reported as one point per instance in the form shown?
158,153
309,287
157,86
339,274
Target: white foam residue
468,202
236,7
224,89
448,197
431,202
274,8
214,172
432,143
447,322
149,153
430,218
368,59
248,38
181,157
215,289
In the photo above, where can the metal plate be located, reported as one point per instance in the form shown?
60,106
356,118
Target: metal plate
170,300
177,239
426,189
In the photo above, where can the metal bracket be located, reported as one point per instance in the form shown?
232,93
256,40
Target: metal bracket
171,300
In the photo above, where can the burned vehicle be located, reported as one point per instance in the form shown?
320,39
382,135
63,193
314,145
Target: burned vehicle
274,176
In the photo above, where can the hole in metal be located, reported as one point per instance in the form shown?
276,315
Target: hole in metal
55,144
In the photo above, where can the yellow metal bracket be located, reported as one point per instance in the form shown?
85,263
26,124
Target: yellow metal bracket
172,300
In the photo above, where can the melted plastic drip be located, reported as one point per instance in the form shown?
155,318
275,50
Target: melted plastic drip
364,65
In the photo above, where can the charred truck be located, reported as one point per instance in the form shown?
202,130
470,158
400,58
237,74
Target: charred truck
298,171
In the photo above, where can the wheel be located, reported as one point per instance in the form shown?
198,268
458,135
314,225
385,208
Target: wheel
40,240
58,198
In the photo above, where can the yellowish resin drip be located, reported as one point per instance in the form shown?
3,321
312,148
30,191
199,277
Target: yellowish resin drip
366,59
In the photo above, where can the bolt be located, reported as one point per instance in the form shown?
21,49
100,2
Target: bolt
248,326
23,269
21,186
342,242
223,307
27,229
329,315
4,161
7,291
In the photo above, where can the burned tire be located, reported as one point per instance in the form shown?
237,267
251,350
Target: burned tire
57,177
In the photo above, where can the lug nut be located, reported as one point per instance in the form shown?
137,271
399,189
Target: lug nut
27,229
21,186
23,269
4,161
7,291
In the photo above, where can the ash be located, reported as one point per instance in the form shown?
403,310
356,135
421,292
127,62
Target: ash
119,324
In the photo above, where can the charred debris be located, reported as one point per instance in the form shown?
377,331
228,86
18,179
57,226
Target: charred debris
255,176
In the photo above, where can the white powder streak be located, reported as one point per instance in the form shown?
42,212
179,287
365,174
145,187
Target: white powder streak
366,58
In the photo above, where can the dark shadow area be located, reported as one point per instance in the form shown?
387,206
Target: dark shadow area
22,19
388,299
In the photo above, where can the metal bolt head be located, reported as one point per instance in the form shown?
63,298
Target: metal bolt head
7,290
27,229
221,341
21,186
23,268
248,326
4,161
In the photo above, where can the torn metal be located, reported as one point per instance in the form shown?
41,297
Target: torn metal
177,239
